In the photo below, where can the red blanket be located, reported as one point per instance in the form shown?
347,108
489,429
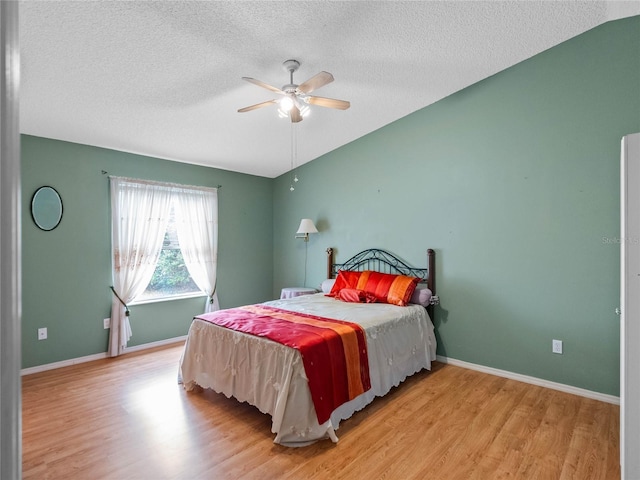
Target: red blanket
334,352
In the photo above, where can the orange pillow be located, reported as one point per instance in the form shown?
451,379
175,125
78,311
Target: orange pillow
388,288
345,279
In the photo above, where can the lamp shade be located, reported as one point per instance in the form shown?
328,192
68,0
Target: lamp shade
307,226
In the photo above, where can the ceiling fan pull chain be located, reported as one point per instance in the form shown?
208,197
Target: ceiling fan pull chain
291,187
295,151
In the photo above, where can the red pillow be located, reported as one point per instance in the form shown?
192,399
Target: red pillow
345,279
388,288
355,296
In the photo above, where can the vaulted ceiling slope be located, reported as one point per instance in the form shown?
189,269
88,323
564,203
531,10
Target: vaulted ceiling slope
163,78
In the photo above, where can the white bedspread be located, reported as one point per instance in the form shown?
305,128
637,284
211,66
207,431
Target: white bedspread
270,376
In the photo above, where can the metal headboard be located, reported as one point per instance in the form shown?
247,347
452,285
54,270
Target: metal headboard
383,261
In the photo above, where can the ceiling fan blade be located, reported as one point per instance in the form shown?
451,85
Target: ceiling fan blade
315,82
329,102
262,84
257,105
294,113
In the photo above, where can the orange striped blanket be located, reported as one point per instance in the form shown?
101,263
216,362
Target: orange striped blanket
334,352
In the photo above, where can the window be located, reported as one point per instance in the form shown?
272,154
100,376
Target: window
141,212
171,277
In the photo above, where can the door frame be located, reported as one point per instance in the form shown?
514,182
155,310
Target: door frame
10,278
630,306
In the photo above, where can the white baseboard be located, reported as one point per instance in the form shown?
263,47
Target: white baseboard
159,343
532,380
63,363
98,356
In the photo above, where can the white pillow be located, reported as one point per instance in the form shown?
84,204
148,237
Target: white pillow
421,296
327,285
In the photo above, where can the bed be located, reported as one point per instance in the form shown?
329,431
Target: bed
278,379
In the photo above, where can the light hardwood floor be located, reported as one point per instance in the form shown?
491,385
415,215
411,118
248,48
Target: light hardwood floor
127,418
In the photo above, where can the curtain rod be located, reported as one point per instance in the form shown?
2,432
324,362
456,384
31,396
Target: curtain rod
179,185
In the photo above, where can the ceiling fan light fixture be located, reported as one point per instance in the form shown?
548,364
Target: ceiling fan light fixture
286,104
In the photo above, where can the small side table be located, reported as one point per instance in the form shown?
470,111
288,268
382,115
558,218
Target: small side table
290,292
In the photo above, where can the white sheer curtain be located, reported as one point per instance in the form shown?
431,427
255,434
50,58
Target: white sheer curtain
197,228
140,213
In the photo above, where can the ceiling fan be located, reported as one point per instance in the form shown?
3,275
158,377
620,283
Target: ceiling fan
295,99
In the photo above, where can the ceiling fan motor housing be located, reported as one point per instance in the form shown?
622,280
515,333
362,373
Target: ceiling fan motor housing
291,65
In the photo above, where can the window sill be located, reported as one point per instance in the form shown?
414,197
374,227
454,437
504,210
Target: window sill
167,299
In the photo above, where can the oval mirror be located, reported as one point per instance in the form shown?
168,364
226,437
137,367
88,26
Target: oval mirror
46,208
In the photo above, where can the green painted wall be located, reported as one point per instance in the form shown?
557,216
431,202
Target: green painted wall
67,272
514,182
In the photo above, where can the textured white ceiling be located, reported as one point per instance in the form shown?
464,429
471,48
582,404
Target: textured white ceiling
163,78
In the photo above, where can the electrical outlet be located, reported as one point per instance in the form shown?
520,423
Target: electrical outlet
106,323
556,346
42,334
